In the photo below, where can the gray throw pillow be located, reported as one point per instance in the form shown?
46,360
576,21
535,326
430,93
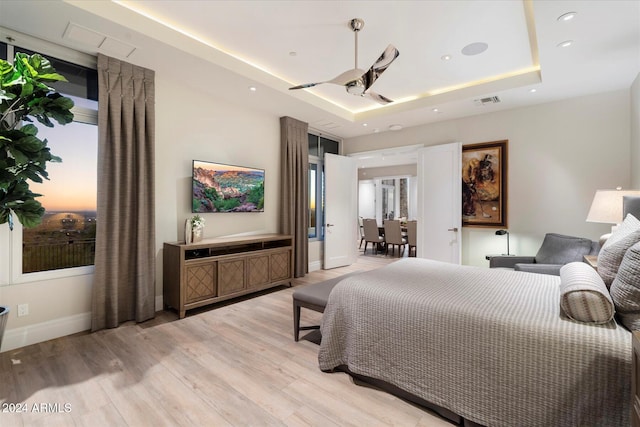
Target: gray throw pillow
625,289
626,235
583,295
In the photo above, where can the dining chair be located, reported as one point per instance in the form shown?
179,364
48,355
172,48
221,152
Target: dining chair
412,237
361,229
393,235
371,234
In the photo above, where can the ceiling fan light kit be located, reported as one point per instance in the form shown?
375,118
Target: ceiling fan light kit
356,81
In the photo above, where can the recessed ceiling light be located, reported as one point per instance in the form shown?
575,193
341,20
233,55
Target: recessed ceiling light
376,130
533,90
567,16
435,110
395,127
474,48
365,124
253,88
565,43
445,57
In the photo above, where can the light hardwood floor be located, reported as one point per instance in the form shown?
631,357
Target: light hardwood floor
232,365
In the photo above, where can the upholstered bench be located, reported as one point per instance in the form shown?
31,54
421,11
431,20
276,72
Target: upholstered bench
314,297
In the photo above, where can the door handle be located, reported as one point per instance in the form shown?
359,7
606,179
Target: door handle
454,229
329,225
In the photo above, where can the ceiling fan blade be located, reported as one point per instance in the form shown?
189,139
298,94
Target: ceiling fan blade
379,98
387,57
306,85
342,79
347,77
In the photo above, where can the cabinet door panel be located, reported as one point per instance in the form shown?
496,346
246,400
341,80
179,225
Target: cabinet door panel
258,271
200,282
281,265
231,276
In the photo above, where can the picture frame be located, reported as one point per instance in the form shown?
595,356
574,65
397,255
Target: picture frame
484,184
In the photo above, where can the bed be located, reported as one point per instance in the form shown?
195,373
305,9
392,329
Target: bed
489,346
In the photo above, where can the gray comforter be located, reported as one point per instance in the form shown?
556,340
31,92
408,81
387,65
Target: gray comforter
490,345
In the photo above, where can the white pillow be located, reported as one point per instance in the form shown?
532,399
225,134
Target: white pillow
583,295
613,250
625,290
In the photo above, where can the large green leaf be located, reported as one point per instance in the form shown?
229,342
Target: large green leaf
18,155
27,89
24,94
61,102
16,194
30,213
43,69
9,76
30,144
53,106
29,130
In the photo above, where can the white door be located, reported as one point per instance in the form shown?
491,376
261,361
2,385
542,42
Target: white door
440,202
340,211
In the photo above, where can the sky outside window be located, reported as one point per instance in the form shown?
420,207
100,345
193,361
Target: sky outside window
72,184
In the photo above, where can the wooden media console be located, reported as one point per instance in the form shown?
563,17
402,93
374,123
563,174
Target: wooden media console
218,269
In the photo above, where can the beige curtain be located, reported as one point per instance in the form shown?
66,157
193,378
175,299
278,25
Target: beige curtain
295,190
124,280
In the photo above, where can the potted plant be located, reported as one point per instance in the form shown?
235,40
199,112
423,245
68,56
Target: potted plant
24,95
196,224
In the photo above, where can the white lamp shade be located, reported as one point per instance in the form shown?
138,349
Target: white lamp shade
607,206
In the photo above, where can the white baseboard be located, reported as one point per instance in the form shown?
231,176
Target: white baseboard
33,334
315,265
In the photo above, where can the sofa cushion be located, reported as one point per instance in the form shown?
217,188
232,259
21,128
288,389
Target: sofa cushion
553,269
613,250
583,295
625,289
560,249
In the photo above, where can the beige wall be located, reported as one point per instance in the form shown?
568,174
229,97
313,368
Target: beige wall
188,126
559,154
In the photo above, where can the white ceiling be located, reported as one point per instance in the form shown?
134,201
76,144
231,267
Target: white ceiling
224,47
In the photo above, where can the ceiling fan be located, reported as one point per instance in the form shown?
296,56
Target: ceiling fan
359,81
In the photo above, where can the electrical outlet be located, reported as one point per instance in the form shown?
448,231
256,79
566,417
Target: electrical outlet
23,310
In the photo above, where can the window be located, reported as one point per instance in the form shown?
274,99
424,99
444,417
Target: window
318,146
66,237
395,202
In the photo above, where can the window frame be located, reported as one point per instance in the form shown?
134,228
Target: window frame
87,116
319,187
319,234
11,250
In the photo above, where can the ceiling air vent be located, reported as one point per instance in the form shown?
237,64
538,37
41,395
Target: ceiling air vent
485,101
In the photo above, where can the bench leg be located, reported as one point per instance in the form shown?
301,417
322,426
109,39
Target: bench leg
296,320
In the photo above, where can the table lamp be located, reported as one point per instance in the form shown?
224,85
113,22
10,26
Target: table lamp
607,208
502,233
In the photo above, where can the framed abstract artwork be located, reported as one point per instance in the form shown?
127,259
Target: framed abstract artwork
484,184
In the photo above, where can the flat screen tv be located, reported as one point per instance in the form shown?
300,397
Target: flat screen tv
226,188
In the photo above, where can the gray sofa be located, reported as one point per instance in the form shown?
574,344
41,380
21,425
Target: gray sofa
556,250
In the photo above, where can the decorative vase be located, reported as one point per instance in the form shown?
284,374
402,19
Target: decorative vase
196,234
187,232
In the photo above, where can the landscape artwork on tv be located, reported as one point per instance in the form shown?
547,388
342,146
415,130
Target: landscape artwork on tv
226,188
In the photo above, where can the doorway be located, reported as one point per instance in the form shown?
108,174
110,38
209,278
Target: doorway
388,197
436,184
